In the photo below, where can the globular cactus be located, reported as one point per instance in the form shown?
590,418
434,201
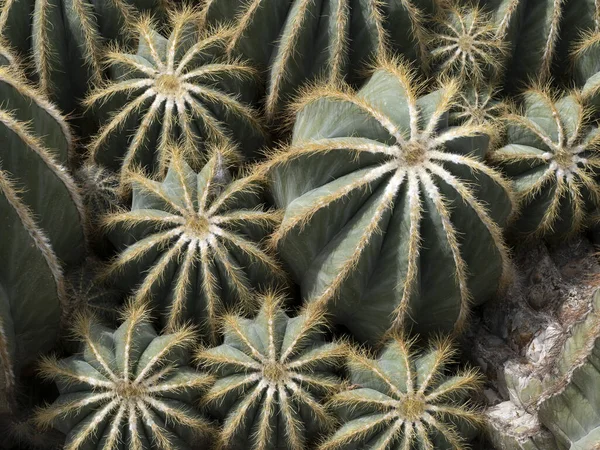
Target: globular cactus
128,386
366,186
175,88
193,242
478,106
341,37
272,374
66,39
464,44
403,399
41,226
550,153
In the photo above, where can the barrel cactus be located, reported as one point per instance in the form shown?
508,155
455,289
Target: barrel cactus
41,225
193,242
403,399
464,43
343,36
175,88
66,39
366,186
272,373
128,385
551,155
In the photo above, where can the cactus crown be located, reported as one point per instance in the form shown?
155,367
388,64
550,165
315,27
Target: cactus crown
179,78
465,43
210,226
125,382
270,366
552,140
403,400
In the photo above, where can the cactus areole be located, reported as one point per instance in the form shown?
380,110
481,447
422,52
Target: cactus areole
386,207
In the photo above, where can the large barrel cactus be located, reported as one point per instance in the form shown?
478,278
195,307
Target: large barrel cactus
402,400
302,40
175,88
66,39
40,225
551,155
128,385
391,217
272,373
193,243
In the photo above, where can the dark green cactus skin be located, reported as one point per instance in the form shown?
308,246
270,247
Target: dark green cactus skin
363,215
128,388
66,39
272,374
193,244
40,223
298,41
551,155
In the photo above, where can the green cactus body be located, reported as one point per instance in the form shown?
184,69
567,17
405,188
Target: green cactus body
193,243
403,400
570,403
272,373
172,89
303,40
129,388
551,155
476,106
41,225
66,39
366,187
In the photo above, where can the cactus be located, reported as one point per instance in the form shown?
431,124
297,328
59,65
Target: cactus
127,386
477,106
342,36
272,373
40,226
65,39
550,154
403,399
193,242
172,89
465,44
366,186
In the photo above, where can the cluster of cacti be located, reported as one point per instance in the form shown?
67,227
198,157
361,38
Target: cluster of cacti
314,197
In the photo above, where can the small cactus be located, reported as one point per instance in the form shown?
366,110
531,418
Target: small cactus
193,242
174,88
403,399
464,44
551,155
127,386
272,373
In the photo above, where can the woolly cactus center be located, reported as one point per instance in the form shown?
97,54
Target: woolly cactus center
274,372
412,407
412,153
466,43
127,390
198,225
168,84
564,159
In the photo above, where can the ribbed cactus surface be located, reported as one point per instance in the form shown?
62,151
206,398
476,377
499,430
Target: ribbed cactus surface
273,373
128,387
179,87
192,243
40,225
402,399
366,186
551,156
303,40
